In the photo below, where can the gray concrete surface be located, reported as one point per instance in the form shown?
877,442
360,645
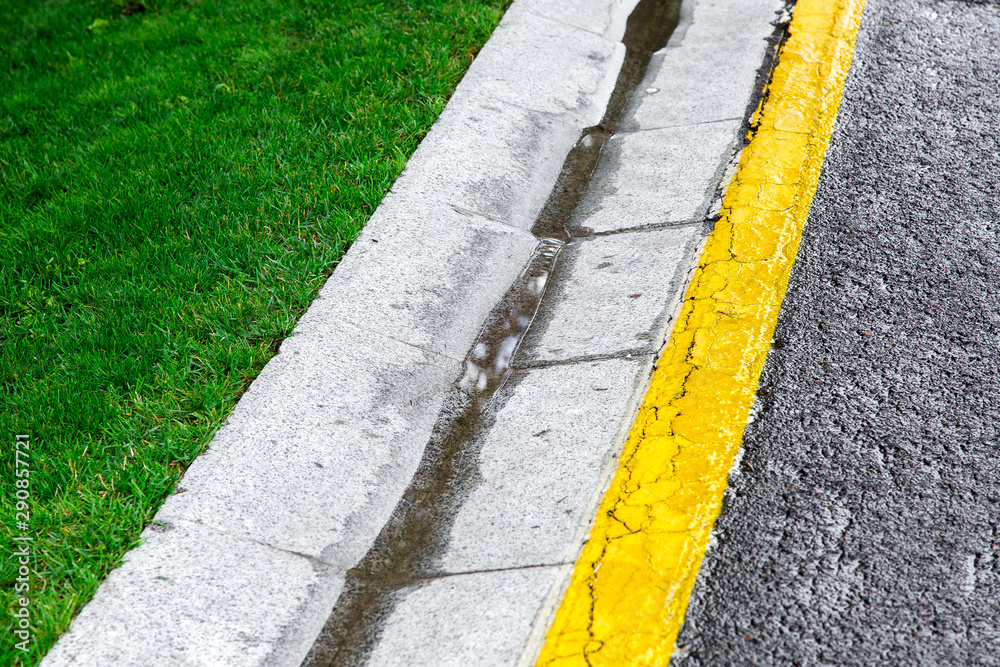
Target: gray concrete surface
635,277
471,619
508,157
422,273
319,449
708,68
658,177
498,147
862,528
542,464
233,575
695,97
545,66
548,441
606,19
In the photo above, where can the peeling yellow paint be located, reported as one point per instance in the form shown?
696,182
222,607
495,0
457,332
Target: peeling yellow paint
630,588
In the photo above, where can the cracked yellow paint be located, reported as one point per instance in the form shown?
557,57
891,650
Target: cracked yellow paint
630,588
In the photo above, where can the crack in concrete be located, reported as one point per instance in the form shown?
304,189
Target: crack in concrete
624,354
695,222
626,133
164,526
514,568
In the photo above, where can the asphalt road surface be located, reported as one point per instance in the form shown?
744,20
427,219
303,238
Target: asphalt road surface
862,525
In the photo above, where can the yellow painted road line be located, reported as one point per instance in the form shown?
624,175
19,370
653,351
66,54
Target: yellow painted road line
630,588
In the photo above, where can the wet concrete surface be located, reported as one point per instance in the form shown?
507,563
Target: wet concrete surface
688,119
325,443
861,526
647,30
408,546
407,553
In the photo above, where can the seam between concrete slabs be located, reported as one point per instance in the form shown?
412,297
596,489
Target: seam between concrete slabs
215,581
630,587
463,573
678,126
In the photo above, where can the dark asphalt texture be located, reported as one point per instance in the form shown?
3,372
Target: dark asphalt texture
862,526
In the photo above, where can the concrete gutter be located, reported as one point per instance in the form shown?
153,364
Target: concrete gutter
247,559
550,440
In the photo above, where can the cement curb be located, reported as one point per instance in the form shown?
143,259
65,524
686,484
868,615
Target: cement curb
245,561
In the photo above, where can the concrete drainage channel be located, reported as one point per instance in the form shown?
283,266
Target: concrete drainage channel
417,532
439,520
416,536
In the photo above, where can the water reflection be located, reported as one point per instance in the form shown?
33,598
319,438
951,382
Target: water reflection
488,364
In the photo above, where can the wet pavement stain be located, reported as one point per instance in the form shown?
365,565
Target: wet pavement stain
406,550
648,30
490,361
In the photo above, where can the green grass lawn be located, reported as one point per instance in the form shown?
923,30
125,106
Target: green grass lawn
177,180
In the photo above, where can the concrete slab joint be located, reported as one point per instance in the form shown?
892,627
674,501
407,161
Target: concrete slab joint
245,562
